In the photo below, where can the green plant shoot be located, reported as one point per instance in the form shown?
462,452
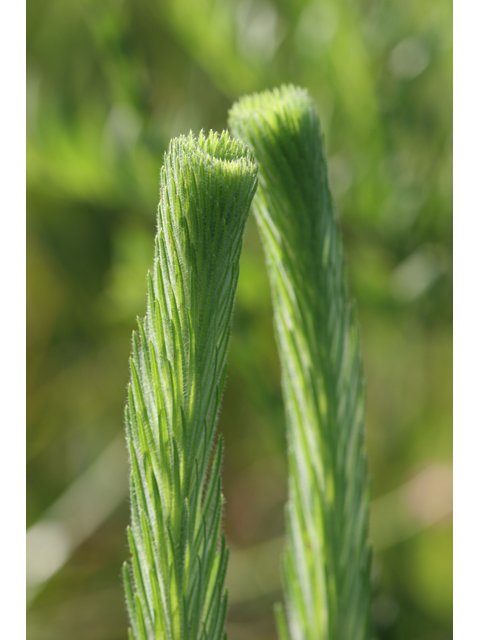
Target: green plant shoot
327,558
175,582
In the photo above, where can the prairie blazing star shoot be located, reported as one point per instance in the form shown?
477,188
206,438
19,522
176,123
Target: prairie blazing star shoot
327,559
175,582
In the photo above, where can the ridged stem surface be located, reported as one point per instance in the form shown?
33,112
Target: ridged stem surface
327,559
175,581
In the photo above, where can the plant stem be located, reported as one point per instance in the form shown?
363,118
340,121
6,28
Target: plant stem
327,559
175,583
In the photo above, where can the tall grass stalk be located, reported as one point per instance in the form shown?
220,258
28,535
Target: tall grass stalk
327,558
174,583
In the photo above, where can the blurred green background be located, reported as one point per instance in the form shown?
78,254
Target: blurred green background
109,82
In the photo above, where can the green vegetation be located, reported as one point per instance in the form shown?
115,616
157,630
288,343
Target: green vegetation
327,563
178,373
175,588
109,84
